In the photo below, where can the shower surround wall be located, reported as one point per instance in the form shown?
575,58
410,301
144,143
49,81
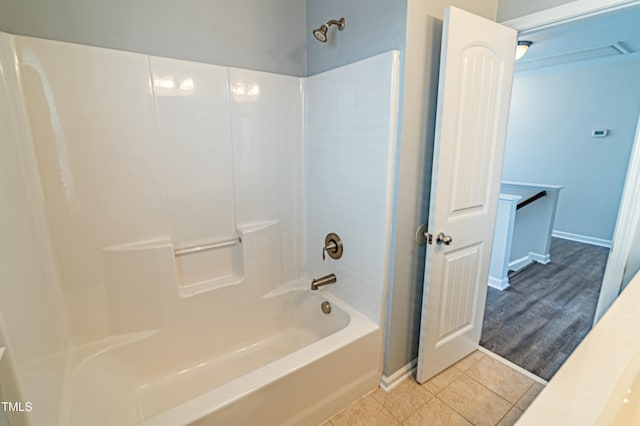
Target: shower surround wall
140,156
126,164
33,326
349,169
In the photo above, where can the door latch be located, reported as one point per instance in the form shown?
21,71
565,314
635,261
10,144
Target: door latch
441,238
423,237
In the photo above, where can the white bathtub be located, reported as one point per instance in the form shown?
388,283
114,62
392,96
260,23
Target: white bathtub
296,366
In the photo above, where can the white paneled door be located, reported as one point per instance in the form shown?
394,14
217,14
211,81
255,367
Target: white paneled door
476,73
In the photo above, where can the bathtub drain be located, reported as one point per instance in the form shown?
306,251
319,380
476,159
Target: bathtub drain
326,307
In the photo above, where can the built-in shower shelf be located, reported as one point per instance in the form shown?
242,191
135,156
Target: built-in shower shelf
208,266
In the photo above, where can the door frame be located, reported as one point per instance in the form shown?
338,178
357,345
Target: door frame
628,213
627,221
573,11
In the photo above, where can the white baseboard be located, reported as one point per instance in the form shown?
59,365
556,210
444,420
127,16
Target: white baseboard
497,283
514,366
388,383
540,258
516,265
582,239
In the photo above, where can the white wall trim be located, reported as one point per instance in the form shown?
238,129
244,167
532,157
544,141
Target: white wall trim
540,258
497,283
516,265
512,365
566,13
579,65
582,238
390,382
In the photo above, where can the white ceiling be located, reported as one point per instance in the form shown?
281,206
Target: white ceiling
613,34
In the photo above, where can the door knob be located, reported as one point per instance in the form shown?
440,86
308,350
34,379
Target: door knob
444,239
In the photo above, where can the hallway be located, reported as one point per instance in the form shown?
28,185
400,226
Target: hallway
542,317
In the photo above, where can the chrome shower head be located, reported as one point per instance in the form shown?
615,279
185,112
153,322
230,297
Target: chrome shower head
321,33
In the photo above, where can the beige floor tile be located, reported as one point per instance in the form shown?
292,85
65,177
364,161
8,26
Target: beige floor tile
470,360
526,400
404,399
511,418
475,402
378,394
435,412
500,378
365,412
327,423
439,382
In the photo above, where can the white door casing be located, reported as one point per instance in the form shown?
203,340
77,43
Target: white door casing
626,226
474,92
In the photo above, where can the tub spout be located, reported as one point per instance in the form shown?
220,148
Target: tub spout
319,282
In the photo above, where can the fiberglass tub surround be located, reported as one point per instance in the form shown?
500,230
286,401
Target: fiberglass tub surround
145,161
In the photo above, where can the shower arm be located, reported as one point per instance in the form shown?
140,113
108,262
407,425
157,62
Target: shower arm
339,23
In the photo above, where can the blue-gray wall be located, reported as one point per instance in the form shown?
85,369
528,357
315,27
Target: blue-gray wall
549,139
266,35
372,27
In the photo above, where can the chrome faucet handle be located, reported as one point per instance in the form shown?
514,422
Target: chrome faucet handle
332,246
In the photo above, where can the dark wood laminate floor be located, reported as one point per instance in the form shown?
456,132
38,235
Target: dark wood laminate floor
548,309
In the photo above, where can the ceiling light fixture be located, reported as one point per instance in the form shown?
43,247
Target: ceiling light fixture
522,48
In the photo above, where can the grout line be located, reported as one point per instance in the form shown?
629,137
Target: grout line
389,411
401,420
435,395
454,410
511,405
513,366
464,373
419,407
505,414
491,390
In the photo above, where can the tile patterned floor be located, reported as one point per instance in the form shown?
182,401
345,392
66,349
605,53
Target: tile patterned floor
478,390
